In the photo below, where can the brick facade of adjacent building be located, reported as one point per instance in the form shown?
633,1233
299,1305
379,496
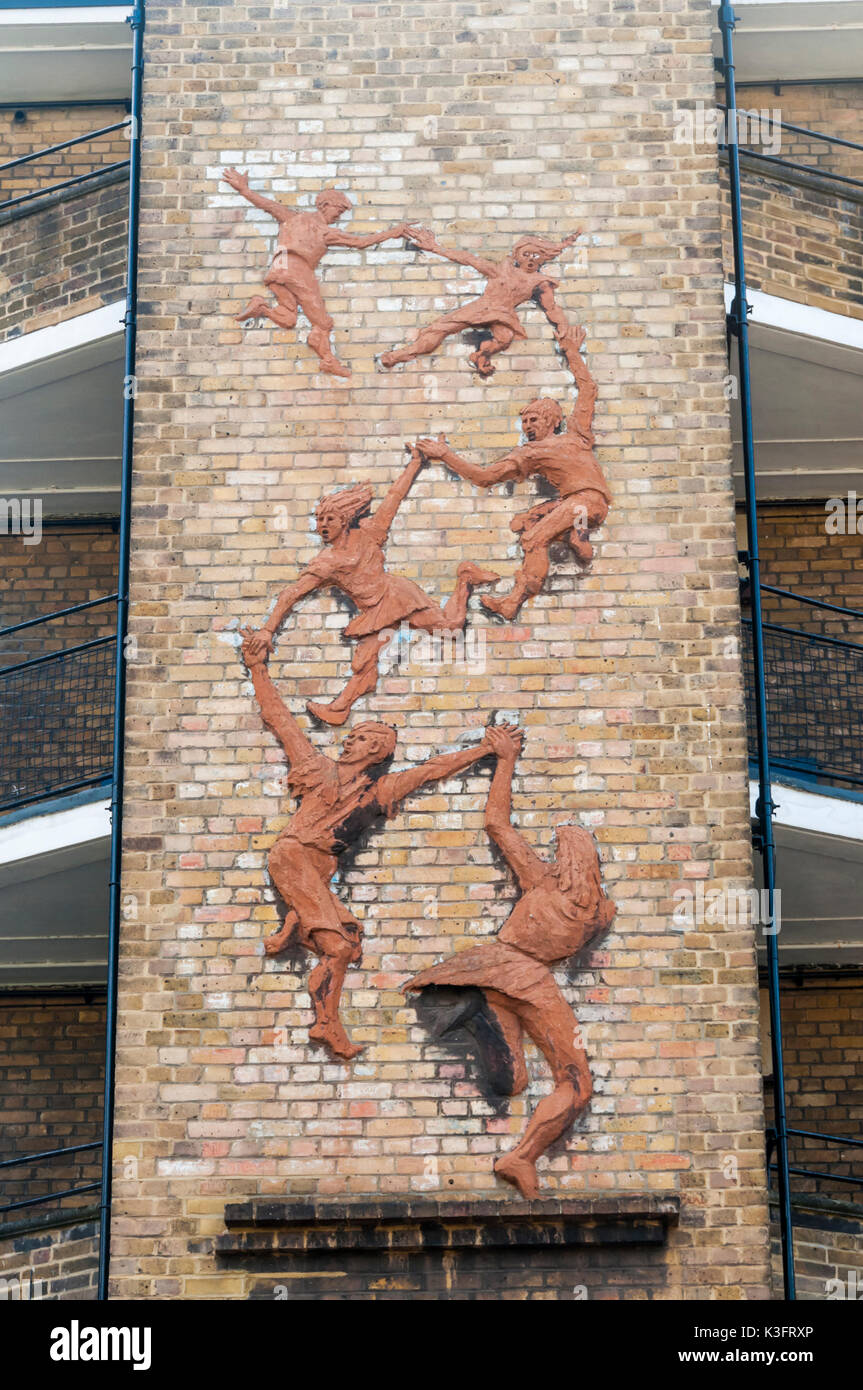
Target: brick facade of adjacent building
486,126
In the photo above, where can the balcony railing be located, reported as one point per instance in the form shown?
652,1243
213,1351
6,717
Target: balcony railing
814,690
56,712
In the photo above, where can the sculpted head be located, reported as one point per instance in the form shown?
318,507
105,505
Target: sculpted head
540,418
533,251
578,870
338,511
331,204
368,744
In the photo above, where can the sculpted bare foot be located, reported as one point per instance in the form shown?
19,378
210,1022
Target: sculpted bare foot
334,367
505,607
581,548
520,1172
474,575
328,714
336,1039
482,364
253,310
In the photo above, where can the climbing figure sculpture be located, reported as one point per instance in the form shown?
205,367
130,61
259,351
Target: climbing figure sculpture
303,240
352,562
563,457
515,280
339,798
503,988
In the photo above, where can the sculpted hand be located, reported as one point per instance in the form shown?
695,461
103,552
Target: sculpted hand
237,179
256,648
423,238
433,449
505,740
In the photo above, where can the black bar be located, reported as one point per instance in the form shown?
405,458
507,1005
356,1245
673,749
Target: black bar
813,602
57,789
49,1153
60,613
825,1177
798,168
137,22
813,637
798,129
68,183
830,1138
739,324
55,656
64,145
48,1197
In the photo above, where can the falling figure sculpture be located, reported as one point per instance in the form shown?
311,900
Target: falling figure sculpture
505,987
352,561
510,282
303,240
339,798
562,457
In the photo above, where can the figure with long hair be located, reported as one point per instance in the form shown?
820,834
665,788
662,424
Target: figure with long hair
504,987
339,798
561,455
353,562
517,279
303,240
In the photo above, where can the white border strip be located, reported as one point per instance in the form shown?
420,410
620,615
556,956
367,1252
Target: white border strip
75,14
771,311
823,814
63,337
39,835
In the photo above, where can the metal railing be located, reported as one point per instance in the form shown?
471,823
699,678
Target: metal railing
814,692
46,1197
778,163
56,712
817,1175
55,149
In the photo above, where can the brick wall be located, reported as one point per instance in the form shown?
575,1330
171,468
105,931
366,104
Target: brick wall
828,1250
51,1069
63,256
44,1260
52,126
486,126
831,108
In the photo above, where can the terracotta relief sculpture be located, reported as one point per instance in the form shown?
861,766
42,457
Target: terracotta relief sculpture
511,282
505,987
352,561
339,798
304,239
563,459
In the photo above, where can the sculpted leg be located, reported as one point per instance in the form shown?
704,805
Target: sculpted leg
283,314
326,927
499,341
553,1030
529,580
362,682
325,987
319,337
426,342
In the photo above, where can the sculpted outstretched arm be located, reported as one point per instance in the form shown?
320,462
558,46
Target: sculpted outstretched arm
395,786
527,866
427,241
383,516
274,711
581,420
359,242
240,183
305,584
501,471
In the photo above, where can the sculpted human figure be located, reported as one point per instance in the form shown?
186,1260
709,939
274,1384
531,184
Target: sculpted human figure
352,561
303,240
339,798
504,987
564,457
510,282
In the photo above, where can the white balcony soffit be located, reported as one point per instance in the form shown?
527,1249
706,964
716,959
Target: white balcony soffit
783,40
65,54
807,400
819,872
61,397
54,898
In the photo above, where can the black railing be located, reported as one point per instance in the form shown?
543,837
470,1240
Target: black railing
89,135
817,1175
814,687
45,1197
56,711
